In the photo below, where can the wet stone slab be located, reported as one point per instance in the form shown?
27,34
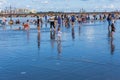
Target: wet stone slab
85,53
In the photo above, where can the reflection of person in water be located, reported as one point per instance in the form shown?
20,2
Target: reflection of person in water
38,38
79,29
73,34
52,37
28,35
112,46
59,48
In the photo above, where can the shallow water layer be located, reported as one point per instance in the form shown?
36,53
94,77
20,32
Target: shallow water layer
85,53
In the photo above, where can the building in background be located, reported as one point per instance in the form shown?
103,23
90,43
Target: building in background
13,10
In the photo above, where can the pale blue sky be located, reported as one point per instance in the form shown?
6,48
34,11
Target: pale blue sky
62,5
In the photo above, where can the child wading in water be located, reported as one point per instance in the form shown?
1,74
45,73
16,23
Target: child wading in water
59,34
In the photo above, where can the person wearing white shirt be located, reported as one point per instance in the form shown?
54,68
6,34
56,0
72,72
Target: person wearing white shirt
51,20
59,35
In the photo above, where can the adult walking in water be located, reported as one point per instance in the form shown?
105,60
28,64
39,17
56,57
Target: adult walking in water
52,24
38,23
112,26
59,21
72,20
112,29
79,20
46,20
56,21
109,21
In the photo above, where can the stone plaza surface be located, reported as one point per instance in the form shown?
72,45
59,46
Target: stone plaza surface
85,53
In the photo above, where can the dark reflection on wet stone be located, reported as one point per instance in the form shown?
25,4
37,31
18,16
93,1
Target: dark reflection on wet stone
73,33
11,27
111,42
79,30
88,56
4,27
52,37
28,36
112,46
46,24
59,48
38,38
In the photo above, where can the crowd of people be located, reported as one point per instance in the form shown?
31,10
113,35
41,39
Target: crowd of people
58,20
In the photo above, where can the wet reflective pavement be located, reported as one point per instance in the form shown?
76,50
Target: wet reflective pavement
85,53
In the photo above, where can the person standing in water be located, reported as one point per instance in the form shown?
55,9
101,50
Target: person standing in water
112,29
109,21
72,20
26,25
46,20
4,21
79,20
56,21
59,34
59,21
52,23
38,23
